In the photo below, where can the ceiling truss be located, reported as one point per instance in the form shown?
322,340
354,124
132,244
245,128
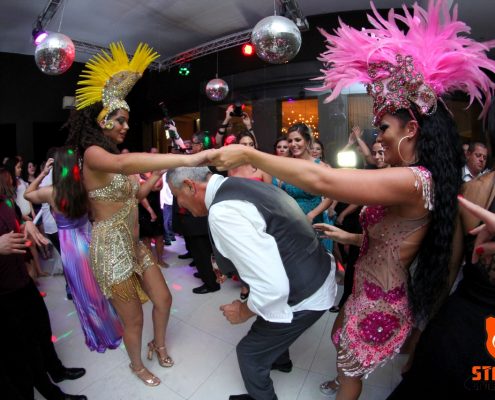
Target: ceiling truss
289,8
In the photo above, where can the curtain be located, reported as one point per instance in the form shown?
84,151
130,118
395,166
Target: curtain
360,111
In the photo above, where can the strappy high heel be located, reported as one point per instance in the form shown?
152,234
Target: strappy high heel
148,381
164,361
327,389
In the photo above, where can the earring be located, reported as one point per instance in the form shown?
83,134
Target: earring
109,124
400,155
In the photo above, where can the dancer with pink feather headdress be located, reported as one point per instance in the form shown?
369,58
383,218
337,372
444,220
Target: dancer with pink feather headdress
402,273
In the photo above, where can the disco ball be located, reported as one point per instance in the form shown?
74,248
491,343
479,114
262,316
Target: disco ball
55,54
276,39
217,89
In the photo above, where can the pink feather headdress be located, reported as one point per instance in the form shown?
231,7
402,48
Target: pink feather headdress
417,66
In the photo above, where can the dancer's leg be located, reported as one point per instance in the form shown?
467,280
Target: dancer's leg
131,315
156,288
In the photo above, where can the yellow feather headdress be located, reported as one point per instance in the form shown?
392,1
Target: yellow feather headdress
110,78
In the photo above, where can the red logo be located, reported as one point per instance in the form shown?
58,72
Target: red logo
490,335
484,375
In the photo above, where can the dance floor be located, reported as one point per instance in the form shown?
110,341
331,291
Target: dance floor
202,343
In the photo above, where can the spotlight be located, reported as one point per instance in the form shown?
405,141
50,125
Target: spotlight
247,49
184,69
347,159
39,34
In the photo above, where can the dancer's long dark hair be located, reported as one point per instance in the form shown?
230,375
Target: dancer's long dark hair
69,194
439,150
84,131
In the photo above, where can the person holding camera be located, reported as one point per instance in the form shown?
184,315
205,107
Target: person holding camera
195,230
235,111
170,129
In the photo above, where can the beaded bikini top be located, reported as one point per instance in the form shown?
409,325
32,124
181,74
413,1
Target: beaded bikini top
120,189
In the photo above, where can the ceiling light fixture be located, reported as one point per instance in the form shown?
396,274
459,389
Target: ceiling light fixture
184,69
39,34
247,49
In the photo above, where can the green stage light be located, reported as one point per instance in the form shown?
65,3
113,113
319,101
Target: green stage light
184,69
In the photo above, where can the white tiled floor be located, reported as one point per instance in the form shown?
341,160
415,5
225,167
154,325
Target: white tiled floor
202,344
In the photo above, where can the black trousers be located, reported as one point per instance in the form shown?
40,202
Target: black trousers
27,351
200,248
267,343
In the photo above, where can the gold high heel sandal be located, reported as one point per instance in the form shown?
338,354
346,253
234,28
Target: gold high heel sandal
164,361
150,381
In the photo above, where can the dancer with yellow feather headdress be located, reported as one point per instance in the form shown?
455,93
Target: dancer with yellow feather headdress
123,267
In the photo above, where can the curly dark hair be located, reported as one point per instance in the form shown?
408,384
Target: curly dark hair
69,194
84,131
439,150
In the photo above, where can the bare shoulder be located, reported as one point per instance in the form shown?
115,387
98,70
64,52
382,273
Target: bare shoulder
98,160
95,153
97,167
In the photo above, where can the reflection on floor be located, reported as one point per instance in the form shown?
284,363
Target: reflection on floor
202,343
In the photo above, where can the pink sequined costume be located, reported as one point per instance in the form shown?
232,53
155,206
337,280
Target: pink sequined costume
377,317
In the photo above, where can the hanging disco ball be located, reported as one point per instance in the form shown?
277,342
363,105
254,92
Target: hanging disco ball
276,39
217,89
55,54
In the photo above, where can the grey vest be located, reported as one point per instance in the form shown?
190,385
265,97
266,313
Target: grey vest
305,260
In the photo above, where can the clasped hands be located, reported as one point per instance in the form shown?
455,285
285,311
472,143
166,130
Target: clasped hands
223,159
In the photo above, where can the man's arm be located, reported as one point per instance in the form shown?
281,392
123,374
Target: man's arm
237,312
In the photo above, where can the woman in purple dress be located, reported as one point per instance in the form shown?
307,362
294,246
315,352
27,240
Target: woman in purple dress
99,321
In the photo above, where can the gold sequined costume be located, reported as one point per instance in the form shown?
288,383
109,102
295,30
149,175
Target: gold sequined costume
118,258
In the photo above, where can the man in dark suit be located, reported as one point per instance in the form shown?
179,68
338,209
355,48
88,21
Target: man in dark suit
195,231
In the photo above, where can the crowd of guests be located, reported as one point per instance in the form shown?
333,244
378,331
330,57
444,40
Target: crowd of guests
161,217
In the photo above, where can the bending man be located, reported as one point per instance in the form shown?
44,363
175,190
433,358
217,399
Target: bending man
260,232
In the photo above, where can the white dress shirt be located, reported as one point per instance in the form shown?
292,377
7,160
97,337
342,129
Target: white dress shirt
467,176
239,233
166,196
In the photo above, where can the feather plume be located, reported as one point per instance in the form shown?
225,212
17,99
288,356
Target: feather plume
442,52
110,77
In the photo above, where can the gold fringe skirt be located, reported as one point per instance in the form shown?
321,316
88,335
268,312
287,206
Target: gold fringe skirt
117,257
